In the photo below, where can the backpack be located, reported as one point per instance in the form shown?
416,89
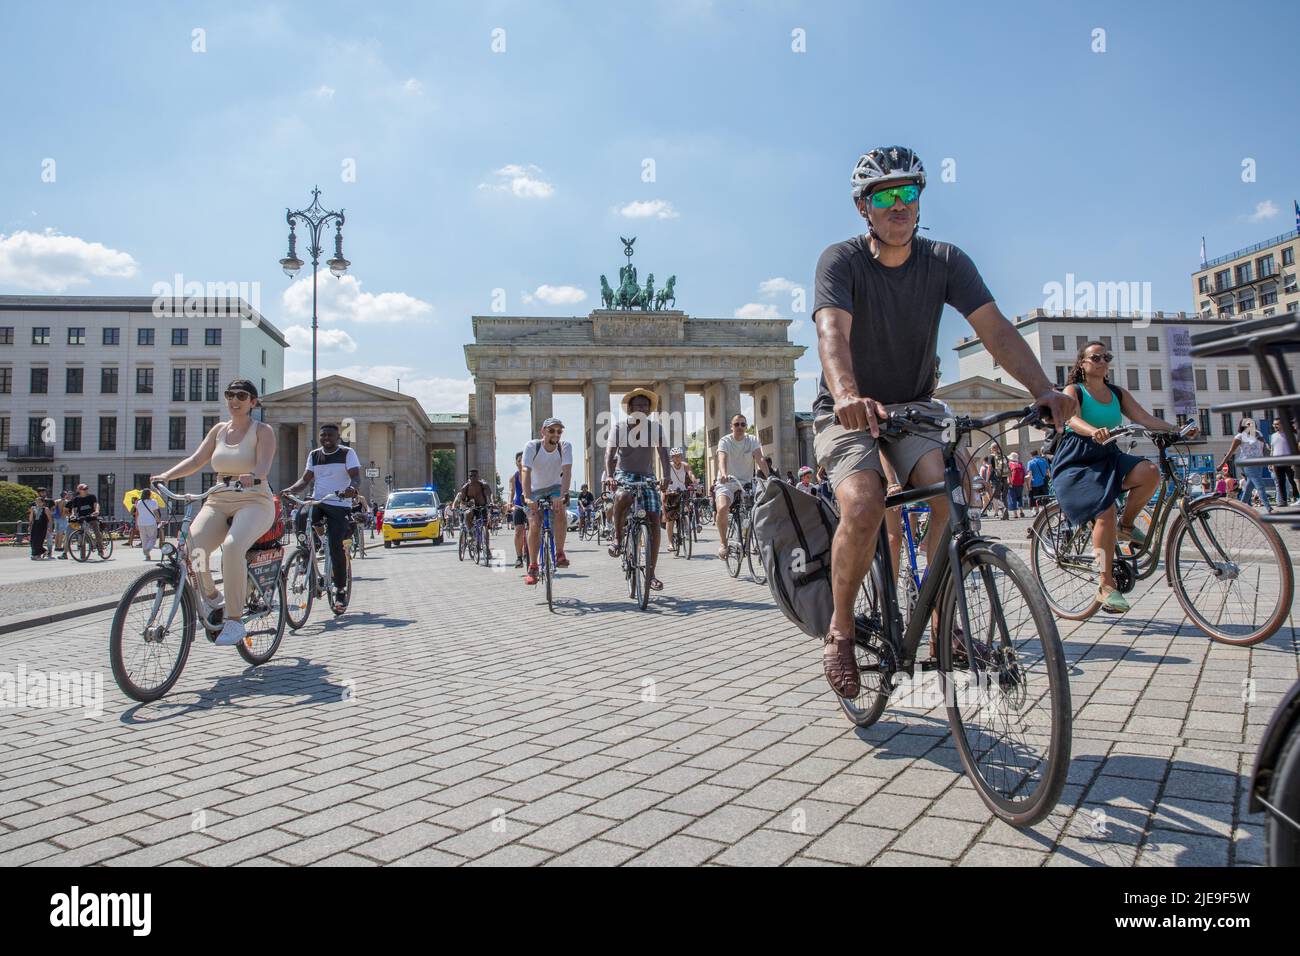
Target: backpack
794,532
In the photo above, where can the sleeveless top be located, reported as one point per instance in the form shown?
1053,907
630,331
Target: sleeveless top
1098,414
517,498
1250,447
677,480
235,459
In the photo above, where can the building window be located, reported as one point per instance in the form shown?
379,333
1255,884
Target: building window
143,433
1155,380
1224,380
108,381
1204,421
1288,256
264,350
140,480
1225,422
1060,376
1132,379
1158,413
6,381
41,335
1105,340
107,506
1222,279
177,486
1130,343
108,433
210,388
1268,297
74,380
178,385
176,433
1243,379
1205,309
1226,308
70,483
196,385
1080,341
209,479
263,388
209,423
72,433
1288,283
144,337
7,338
144,381
1243,273
77,335
1265,265
1246,301
1203,285
4,433
1153,343
112,336
40,381
211,336
1202,379
180,336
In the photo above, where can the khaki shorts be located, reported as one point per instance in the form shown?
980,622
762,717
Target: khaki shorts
842,452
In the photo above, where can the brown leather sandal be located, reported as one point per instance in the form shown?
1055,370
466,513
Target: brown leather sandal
840,665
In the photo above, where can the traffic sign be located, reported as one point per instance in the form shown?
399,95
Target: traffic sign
372,472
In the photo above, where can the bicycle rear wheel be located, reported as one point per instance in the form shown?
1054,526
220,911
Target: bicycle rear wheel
735,546
265,628
300,589
485,549
636,572
685,531
1008,703
1063,563
463,548
756,569
645,538
1242,594
147,658
868,648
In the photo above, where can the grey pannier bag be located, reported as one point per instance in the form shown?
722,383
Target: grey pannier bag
794,531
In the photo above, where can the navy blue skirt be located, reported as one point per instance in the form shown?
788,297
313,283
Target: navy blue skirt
1087,477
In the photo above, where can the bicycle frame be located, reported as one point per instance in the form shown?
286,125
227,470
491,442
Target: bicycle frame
546,541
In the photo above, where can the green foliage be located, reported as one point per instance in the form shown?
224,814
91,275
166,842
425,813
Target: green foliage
15,499
444,473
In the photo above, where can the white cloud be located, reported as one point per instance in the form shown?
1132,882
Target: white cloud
413,87
50,262
325,92
769,288
649,209
341,300
1263,210
327,340
556,295
434,393
757,310
797,327
523,182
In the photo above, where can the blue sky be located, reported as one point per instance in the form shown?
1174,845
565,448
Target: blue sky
479,170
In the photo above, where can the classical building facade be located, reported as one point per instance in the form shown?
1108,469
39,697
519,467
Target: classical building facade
610,352
390,432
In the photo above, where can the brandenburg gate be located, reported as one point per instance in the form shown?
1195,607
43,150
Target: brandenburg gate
612,351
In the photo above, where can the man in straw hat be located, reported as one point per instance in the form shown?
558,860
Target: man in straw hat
630,456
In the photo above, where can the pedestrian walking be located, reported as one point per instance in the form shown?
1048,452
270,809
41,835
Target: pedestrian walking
1248,444
148,518
1016,484
39,522
1038,469
1283,475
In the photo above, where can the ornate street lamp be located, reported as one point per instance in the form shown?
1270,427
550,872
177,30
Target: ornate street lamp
315,218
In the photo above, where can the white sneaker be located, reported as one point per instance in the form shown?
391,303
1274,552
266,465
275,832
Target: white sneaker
232,632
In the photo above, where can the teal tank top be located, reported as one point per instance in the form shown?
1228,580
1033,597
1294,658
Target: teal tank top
1095,413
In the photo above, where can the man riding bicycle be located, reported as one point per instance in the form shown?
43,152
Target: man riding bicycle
586,501
474,495
878,301
84,508
739,455
547,470
680,482
630,457
334,472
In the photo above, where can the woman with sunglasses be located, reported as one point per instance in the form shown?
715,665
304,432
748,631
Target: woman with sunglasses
238,450
1089,476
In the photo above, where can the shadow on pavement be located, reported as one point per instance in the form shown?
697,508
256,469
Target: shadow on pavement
661,603
308,681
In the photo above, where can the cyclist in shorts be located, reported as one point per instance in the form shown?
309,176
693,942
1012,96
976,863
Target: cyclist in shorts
630,456
680,482
547,471
739,455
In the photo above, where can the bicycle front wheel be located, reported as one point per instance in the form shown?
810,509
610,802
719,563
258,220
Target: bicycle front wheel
464,545
105,546
79,547
756,569
636,585
645,541
1063,563
868,650
1231,572
147,656
1008,701
267,619
735,546
685,531
300,588
547,569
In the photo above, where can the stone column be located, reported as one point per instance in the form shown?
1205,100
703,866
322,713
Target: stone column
767,417
303,446
361,443
730,407
787,428
485,408
542,396
714,428
596,396
462,458
676,418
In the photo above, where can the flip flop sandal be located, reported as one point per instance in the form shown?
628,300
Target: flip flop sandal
656,584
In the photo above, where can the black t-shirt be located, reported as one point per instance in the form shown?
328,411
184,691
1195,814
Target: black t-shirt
895,312
83,506
586,497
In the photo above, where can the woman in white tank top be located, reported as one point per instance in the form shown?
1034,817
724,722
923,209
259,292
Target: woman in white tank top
238,450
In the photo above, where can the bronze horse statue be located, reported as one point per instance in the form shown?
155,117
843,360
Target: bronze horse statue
606,293
666,294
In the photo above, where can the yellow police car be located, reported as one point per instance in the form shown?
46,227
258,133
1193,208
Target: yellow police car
412,514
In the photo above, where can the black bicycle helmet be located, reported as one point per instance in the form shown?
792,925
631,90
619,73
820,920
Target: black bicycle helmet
886,166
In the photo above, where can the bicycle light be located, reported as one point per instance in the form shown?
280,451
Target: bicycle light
168,551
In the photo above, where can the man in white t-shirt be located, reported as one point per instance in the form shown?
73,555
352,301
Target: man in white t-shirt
546,471
739,455
1283,474
334,472
147,516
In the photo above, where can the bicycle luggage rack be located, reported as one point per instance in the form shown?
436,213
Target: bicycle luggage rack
1269,340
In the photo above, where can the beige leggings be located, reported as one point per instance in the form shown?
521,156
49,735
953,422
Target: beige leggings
250,513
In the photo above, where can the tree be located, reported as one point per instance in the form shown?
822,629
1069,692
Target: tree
444,473
15,500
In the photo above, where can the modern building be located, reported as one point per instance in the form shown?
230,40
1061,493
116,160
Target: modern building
1151,361
108,390
1260,279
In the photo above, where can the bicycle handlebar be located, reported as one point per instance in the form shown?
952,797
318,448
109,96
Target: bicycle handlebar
1141,431
897,422
166,492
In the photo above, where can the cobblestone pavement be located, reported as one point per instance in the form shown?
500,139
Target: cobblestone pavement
450,718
